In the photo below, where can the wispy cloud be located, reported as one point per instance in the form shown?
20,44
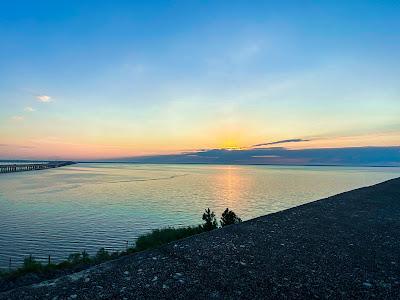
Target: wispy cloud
29,109
281,142
44,98
17,118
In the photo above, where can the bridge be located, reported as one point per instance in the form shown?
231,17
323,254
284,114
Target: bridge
33,166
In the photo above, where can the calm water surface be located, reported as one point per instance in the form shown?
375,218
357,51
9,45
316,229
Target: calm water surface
89,206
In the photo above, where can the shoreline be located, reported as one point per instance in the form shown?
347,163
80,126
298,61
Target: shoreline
237,164
219,164
342,246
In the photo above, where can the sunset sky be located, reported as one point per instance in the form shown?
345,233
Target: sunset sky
105,79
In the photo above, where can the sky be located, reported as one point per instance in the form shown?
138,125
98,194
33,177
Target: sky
110,79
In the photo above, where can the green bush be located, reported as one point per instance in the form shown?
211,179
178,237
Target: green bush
31,265
102,255
210,222
63,265
74,258
85,257
159,237
229,217
79,258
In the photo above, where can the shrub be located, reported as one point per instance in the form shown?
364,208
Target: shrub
74,258
159,237
85,257
79,258
63,265
229,217
102,255
210,222
31,265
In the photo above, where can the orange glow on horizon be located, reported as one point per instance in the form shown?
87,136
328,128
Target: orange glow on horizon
117,147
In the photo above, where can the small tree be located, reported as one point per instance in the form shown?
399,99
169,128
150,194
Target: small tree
210,222
102,255
229,217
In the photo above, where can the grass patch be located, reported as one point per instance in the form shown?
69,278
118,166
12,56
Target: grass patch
30,265
163,236
80,260
156,238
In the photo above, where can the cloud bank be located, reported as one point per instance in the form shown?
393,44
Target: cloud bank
353,156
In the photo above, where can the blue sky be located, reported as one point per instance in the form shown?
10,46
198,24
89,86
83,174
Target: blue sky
92,79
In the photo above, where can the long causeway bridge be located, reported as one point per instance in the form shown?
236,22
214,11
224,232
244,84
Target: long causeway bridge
9,168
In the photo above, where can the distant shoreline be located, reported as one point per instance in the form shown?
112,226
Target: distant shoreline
230,164
204,163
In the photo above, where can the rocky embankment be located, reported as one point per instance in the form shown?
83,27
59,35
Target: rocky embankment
345,246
